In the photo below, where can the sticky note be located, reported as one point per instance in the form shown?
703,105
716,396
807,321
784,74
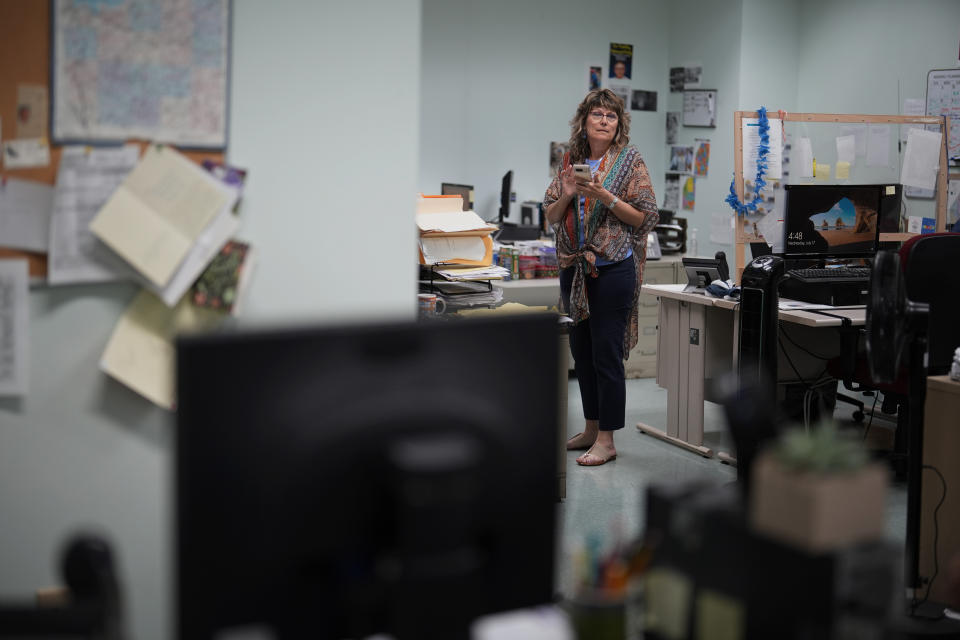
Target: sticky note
891,190
843,170
822,171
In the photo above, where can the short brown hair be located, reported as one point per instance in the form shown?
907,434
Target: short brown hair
579,146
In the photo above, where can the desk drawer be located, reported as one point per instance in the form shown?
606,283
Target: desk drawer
646,344
647,305
640,367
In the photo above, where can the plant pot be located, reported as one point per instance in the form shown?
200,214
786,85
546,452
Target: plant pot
817,511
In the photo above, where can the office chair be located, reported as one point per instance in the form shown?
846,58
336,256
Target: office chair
931,266
94,610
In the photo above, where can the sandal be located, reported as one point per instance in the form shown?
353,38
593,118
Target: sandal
583,461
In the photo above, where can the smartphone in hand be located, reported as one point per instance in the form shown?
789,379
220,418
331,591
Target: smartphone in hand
582,172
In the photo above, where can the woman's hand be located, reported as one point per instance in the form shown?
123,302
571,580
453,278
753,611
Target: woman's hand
568,183
594,189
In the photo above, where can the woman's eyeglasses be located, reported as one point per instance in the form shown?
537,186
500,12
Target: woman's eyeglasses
599,116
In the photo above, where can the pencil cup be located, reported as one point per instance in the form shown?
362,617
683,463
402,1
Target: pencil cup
598,615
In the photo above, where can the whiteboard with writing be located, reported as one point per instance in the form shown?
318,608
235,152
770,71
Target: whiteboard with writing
700,108
943,99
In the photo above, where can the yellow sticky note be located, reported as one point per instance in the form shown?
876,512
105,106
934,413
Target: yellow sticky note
843,170
822,172
719,617
891,190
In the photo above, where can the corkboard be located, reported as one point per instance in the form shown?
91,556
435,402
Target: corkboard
25,59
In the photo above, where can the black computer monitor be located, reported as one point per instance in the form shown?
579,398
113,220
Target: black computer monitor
338,482
831,221
506,197
701,272
465,191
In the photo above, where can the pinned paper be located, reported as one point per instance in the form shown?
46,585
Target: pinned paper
701,159
821,171
878,145
846,149
671,193
843,171
859,133
26,153
912,107
140,352
25,215
689,193
805,157
751,142
922,159
953,201
721,231
32,111
14,327
771,227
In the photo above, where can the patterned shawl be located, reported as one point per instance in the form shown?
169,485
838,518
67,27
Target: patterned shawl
624,174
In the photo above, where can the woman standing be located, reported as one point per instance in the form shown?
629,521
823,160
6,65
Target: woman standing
601,228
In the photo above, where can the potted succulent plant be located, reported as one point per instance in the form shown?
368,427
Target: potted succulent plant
818,490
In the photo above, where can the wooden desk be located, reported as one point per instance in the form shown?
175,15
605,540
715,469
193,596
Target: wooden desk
698,343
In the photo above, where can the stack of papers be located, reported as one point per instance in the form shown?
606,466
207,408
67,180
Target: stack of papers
493,272
449,235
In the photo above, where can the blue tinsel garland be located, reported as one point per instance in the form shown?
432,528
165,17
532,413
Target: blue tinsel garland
762,150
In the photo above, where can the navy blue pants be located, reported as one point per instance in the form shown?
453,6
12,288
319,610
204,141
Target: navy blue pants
597,343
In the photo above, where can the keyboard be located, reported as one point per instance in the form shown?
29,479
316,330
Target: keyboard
836,274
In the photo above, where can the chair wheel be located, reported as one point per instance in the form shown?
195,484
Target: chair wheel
858,416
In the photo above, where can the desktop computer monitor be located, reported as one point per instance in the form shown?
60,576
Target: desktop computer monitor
506,197
465,191
832,221
512,227
344,481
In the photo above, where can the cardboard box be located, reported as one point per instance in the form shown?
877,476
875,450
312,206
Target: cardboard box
817,511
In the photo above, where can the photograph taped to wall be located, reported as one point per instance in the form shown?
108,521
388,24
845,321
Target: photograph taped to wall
623,92
643,100
595,74
691,76
673,125
621,61
677,75
671,193
701,159
681,159
689,193
700,108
